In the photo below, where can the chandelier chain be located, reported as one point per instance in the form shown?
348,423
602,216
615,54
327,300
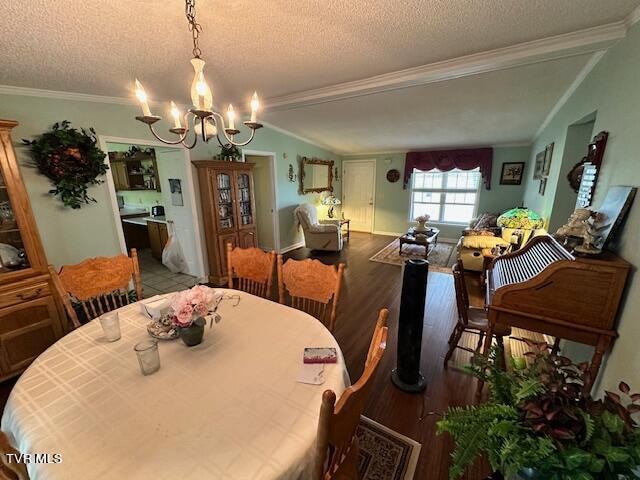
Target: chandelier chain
194,27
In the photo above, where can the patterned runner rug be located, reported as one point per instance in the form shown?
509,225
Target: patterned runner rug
441,258
385,454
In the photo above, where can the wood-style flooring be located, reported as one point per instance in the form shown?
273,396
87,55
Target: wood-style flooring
368,287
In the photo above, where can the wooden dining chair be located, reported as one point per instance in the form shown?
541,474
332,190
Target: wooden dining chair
13,470
470,319
252,269
312,287
337,447
97,285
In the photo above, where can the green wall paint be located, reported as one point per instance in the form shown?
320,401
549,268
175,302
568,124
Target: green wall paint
611,90
70,236
392,202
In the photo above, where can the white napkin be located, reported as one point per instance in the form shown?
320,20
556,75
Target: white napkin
311,373
155,306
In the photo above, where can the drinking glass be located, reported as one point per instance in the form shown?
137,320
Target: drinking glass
148,356
111,326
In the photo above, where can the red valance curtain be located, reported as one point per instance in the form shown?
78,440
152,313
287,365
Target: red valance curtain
446,160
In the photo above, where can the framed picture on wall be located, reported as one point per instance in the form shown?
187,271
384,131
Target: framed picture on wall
543,186
548,154
511,173
537,171
175,185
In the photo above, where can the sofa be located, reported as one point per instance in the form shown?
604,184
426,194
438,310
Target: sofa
482,232
318,235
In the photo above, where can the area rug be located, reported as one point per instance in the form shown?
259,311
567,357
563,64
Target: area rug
385,454
441,258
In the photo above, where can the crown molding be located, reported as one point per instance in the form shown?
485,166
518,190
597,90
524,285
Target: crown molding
559,46
593,61
527,143
298,137
632,18
55,94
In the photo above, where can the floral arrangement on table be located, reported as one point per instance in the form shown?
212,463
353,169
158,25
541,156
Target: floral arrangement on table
421,220
191,308
539,423
71,159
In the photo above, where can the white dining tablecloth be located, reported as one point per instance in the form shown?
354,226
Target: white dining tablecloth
227,409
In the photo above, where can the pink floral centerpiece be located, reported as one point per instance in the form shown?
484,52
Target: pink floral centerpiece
190,311
421,221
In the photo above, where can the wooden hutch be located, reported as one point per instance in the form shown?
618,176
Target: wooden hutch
228,210
30,316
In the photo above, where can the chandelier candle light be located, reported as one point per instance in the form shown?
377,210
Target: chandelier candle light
207,123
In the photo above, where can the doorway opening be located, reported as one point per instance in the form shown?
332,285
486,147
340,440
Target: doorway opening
152,196
266,193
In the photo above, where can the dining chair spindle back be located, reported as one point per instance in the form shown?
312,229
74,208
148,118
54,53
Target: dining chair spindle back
311,286
98,285
252,270
337,446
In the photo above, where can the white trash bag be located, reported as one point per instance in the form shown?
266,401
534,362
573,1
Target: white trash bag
172,256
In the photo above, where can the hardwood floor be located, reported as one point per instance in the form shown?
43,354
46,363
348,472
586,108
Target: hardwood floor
368,287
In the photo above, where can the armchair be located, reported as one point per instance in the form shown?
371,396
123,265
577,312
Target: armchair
318,235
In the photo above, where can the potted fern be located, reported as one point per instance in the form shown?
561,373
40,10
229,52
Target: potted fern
539,424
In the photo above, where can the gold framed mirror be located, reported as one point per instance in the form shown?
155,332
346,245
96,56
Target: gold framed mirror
316,176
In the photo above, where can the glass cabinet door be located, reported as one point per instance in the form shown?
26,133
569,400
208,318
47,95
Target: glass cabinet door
12,251
224,200
245,205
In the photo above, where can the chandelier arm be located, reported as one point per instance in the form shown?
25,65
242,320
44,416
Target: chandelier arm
168,142
193,144
228,139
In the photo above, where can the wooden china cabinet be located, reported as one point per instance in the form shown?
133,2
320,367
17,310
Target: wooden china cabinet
30,316
228,211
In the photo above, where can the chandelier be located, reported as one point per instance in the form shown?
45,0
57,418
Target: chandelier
206,122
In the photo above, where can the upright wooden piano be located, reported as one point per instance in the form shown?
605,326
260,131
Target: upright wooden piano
543,288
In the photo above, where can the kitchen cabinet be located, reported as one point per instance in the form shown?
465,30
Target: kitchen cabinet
31,316
228,211
158,237
120,177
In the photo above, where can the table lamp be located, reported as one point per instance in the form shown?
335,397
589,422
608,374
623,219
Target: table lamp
332,202
521,222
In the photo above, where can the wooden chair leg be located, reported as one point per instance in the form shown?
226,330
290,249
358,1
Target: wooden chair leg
453,342
556,346
480,339
485,352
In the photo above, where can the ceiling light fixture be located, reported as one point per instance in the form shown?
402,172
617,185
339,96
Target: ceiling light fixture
207,123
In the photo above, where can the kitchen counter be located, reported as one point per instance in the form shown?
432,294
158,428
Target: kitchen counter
143,220
126,211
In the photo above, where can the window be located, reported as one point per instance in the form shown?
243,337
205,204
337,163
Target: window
447,197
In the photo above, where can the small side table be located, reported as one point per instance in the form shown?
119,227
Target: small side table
345,221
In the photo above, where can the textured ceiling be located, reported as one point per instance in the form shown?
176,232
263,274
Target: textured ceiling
494,108
275,46
281,47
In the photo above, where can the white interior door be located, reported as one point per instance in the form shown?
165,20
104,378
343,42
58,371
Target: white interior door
358,193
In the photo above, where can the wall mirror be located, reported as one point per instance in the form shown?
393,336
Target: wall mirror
316,175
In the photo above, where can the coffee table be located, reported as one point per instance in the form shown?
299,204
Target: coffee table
428,239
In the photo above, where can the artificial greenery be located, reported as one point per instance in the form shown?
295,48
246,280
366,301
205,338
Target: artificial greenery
72,161
539,418
230,152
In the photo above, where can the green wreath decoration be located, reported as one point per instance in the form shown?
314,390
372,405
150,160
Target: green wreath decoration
72,161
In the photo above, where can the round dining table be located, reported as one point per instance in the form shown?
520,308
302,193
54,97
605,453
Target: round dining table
228,409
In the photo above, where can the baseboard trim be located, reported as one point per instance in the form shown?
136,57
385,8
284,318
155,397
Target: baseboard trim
292,247
388,234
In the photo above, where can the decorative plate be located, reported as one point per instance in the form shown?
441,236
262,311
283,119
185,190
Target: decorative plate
162,332
393,175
